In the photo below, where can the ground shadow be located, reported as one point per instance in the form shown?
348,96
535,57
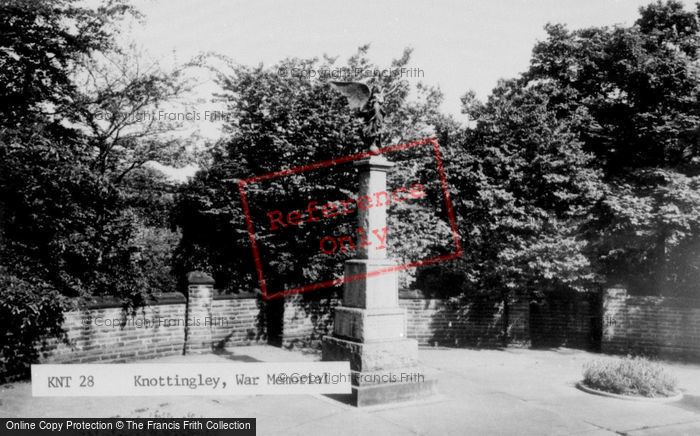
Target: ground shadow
223,352
566,318
689,402
346,399
476,323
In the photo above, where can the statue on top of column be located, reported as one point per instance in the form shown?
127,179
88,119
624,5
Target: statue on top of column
369,101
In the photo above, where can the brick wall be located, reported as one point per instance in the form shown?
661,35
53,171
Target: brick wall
519,324
665,327
479,324
658,326
566,319
430,321
306,321
236,321
109,335
106,334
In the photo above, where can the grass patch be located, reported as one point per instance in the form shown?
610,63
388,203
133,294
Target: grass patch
635,376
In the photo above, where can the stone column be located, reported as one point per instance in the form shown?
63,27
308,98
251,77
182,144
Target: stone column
369,328
614,316
200,293
519,328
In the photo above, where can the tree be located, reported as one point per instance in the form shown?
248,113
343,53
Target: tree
523,188
125,108
584,169
640,85
68,230
284,121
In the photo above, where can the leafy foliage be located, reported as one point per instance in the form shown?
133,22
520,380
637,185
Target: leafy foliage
640,86
280,122
123,106
634,376
72,201
584,169
523,187
29,310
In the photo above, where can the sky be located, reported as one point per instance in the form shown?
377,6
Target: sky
458,45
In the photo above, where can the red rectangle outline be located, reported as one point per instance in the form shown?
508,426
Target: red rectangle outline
331,162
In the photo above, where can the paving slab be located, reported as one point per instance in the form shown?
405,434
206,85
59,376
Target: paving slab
511,391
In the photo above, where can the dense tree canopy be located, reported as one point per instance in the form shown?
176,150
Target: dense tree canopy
584,169
523,187
640,86
72,217
580,171
283,121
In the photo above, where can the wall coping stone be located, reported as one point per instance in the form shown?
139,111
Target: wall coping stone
199,278
235,295
108,302
415,294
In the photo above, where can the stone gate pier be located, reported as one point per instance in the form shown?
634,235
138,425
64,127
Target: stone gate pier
369,327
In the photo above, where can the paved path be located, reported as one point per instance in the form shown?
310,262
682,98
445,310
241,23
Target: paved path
513,391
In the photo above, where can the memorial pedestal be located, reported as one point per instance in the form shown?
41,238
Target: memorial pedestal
383,371
370,328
